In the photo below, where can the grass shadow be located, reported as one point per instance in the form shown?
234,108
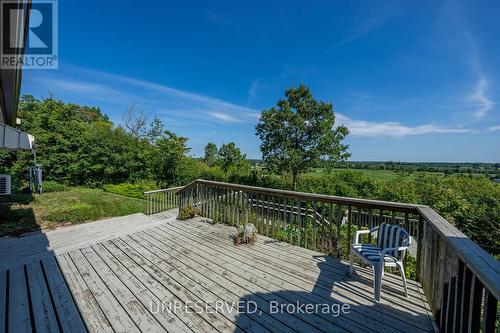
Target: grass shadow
16,216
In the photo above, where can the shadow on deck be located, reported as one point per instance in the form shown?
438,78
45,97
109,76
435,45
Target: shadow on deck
187,276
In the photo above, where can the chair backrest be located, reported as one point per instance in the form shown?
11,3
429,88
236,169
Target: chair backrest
389,235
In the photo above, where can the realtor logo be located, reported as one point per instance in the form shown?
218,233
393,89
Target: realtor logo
39,38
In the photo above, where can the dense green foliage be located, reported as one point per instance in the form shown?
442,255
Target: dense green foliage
227,163
76,145
211,154
299,134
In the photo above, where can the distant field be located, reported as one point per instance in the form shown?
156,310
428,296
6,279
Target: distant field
389,174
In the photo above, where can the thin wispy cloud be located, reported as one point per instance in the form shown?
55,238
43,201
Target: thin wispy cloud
494,128
483,104
365,27
252,92
455,30
392,129
58,85
186,107
479,99
81,83
224,117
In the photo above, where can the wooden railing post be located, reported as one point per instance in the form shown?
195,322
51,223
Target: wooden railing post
314,221
330,231
349,231
419,258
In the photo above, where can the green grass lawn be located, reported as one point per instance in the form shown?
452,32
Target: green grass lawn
55,209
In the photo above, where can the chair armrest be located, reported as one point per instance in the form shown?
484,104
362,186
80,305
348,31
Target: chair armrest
389,249
357,234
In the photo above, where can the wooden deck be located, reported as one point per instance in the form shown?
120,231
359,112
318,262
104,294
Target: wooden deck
114,276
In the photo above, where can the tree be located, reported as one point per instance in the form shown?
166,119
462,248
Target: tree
230,156
211,154
298,134
77,145
155,130
135,121
168,159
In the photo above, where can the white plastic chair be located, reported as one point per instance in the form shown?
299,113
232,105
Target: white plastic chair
392,243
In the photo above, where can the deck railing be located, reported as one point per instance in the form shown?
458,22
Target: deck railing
460,280
161,200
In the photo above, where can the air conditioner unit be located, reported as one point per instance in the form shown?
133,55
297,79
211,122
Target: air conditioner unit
5,185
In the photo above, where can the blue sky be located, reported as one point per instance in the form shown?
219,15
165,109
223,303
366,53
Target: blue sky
413,81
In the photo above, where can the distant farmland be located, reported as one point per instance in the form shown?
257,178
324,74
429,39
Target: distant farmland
390,174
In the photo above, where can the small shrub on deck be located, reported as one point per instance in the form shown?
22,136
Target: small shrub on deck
246,234
188,212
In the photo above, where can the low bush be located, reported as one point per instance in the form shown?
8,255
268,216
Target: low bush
188,212
214,173
246,234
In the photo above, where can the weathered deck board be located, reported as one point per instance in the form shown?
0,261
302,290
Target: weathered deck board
267,274
202,293
167,320
3,299
113,310
45,319
96,320
254,286
186,295
30,247
69,317
19,312
303,267
228,290
114,279
157,284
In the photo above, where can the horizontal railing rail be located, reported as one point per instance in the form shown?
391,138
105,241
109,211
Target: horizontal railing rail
460,280
366,203
161,200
